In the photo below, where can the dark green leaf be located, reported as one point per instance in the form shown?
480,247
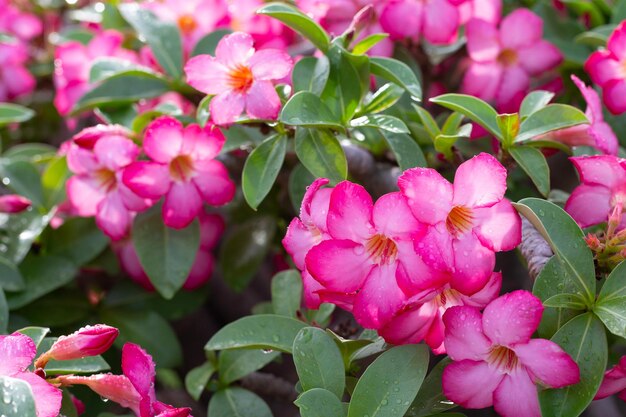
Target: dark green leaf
23,178
549,118
4,313
299,180
237,402
87,365
318,402
397,72
20,231
261,169
385,97
534,164
12,113
203,111
573,301
198,378
430,398
30,152
320,152
208,43
381,121
17,398
611,303
235,364
299,22
310,74
68,409
10,277
535,100
106,67
78,240
407,152
344,88
474,108
348,347
307,109
286,293
597,37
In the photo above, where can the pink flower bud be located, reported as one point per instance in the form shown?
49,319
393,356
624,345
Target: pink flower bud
13,203
88,137
88,341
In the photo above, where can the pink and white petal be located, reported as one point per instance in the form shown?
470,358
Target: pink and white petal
132,201
516,396
514,84
470,384
594,104
84,194
539,57
113,218
350,212
306,210
520,28
17,352
379,299
315,204
428,194
47,397
201,270
213,182
147,179
617,42
409,326
115,152
402,19
393,218
338,298
339,265
589,204
479,182
473,264
482,79
614,95
490,292
270,64
512,318
163,139
604,138
227,107
483,43
80,160
262,101
205,73
547,363
182,204
310,288
441,22
464,336
234,49
498,227
298,240
603,170
602,66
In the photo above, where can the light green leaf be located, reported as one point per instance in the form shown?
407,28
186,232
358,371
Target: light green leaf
381,121
573,301
549,118
237,363
12,113
407,152
474,108
37,334
53,181
368,43
307,109
397,72
611,304
320,152
299,22
534,164
198,378
428,122
535,100
385,97
237,402
106,67
318,402
310,74
261,169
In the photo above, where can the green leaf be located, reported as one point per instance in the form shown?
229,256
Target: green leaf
30,152
68,409
407,152
566,240
37,334
573,301
299,179
235,364
534,101
344,88
509,126
203,111
106,67
381,121
163,38
348,347
237,402
263,331
534,164
549,118
4,313
23,178
428,122
430,399
10,277
611,304
318,402
198,378
390,383
310,74
286,293
12,113
78,239
307,109
207,44
299,22
368,43
385,97
53,181
397,72
261,169
318,361
87,365
597,37
20,231
474,108
244,249
320,152
583,338
166,254
17,398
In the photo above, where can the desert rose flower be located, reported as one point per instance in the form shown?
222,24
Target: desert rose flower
495,360
87,341
24,26
266,31
614,381
14,203
182,168
504,59
16,355
469,220
15,79
606,68
240,78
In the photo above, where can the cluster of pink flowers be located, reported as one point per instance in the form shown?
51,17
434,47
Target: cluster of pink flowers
426,248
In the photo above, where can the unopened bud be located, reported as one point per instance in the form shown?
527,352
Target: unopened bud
13,203
592,241
88,341
88,137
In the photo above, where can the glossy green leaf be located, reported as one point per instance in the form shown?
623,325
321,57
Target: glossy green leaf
261,169
263,331
299,180
287,293
318,361
203,112
237,363
566,240
307,109
53,181
368,43
77,239
166,254
549,118
611,304
23,178
4,313
534,101
10,277
320,152
310,74
430,399
397,72
474,108
13,113
37,334
207,44
87,365
407,152
198,378
345,87
534,164
428,121
509,126
299,22
318,402
237,402
572,301
106,67
385,97
162,37
17,398
20,231
584,339
381,121
390,383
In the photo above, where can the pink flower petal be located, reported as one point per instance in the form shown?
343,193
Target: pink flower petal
17,352
147,179
315,203
490,292
473,264
201,270
514,84
479,182
413,273
548,363
262,101
614,93
512,318
182,204
310,288
270,64
205,73
131,200
604,138
435,248
139,368
202,144
213,182
81,161
47,397
402,19
602,67
539,57
409,326
516,396
393,218
617,41
84,194
464,337
350,212
499,227
520,28
234,49
471,384
435,336
589,204
483,43
428,193
211,229
441,22
163,139
298,240
227,107
482,80
370,309
600,170
113,218
614,381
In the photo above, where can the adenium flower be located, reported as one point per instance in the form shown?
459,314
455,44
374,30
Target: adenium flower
504,59
614,381
267,32
87,341
24,26
13,203
470,220
606,68
182,168
15,79
240,78
17,352
495,360
602,188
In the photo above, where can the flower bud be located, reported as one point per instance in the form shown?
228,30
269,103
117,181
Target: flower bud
88,137
13,203
88,341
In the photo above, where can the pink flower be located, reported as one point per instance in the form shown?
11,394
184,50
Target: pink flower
614,381
240,78
15,79
16,355
267,32
470,219
487,10
597,133
495,360
14,203
183,169
606,68
97,190
602,188
23,25
88,341
503,60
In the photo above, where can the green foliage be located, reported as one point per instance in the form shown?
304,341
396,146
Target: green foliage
262,168
299,22
17,398
235,364
237,402
610,306
13,113
320,152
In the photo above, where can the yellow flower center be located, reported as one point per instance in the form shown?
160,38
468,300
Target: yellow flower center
503,358
381,249
107,179
240,78
187,24
181,168
507,57
459,220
